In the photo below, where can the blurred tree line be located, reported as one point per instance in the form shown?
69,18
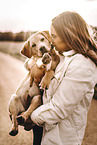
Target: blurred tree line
21,36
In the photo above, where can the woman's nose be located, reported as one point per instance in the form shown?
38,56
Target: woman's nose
52,40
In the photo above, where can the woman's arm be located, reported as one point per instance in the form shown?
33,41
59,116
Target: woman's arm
78,80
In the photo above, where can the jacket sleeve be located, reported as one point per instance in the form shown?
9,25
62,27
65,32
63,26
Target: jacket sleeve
77,81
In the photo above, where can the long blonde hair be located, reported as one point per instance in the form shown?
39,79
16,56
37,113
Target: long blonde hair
73,30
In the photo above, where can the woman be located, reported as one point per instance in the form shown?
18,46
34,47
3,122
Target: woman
63,114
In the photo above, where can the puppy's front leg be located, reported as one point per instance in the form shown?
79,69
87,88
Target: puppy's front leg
44,84
31,80
36,101
14,129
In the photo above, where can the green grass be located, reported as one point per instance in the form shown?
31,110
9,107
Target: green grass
12,48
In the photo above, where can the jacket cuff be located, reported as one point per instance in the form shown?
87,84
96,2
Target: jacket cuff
35,119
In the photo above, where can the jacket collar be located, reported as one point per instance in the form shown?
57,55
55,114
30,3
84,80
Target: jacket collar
62,61
69,53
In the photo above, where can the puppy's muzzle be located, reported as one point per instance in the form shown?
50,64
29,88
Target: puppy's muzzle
46,58
43,49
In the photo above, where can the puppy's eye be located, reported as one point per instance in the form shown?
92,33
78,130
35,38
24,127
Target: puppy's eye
42,39
34,45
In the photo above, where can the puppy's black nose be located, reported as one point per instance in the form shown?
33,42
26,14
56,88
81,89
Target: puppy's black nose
43,49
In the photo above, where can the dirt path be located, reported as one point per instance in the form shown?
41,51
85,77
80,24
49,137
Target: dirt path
11,72
91,129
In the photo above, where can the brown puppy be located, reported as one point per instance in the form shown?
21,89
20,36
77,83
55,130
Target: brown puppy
18,102
39,47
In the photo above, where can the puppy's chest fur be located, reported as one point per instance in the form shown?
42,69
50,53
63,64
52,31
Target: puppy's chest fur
40,64
37,72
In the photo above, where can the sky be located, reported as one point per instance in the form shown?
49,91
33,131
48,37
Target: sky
36,15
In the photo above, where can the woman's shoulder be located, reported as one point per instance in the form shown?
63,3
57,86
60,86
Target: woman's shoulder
83,68
81,61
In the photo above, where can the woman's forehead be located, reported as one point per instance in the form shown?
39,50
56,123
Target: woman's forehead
53,31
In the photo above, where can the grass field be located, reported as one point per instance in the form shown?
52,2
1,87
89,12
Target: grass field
12,48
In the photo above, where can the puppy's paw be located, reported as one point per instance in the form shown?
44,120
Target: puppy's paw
13,132
20,120
44,85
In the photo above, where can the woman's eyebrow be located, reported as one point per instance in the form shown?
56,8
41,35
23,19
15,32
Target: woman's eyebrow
53,35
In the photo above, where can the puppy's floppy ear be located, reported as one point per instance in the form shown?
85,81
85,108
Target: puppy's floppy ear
26,49
47,35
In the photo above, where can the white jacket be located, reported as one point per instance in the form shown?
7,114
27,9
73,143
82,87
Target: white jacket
67,101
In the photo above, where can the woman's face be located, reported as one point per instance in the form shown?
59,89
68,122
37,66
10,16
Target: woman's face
60,45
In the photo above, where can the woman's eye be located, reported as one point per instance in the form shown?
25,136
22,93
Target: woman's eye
42,39
34,45
53,36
